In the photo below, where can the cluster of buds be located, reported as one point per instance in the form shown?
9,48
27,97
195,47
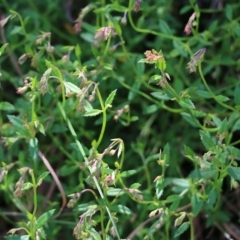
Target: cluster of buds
75,197
135,193
196,60
19,185
189,25
78,22
136,6
44,81
81,229
89,92
23,89
45,36
121,111
96,163
157,58
24,58
104,34
4,170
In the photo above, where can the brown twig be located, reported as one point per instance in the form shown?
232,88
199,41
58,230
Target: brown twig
57,181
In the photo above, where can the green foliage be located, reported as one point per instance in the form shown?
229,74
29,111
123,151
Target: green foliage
105,133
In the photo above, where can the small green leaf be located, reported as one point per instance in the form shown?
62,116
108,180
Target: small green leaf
196,204
161,64
229,11
27,186
207,140
110,98
223,126
164,27
173,198
108,67
174,206
17,30
33,148
115,7
203,94
135,185
115,192
78,51
155,78
181,182
70,87
236,125
95,234
203,173
18,123
189,152
212,197
190,119
17,237
6,106
179,46
133,94
121,209
160,95
92,113
41,178
160,185
166,153
144,60
128,173
222,98
234,172
3,47
186,103
237,95
43,218
182,229
185,9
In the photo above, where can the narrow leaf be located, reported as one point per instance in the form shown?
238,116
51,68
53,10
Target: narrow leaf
33,148
92,113
6,106
3,48
207,140
160,95
222,98
71,87
110,98
186,103
234,172
181,229
43,218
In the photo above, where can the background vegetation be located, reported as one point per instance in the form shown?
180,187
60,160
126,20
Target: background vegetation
119,119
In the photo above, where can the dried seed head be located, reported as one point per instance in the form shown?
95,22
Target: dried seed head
23,58
196,60
103,34
22,90
189,25
124,18
136,6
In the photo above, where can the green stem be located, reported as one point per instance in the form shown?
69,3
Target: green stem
33,217
210,91
104,118
147,30
80,147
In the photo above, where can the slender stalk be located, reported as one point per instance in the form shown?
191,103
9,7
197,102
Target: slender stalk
80,147
210,91
104,118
